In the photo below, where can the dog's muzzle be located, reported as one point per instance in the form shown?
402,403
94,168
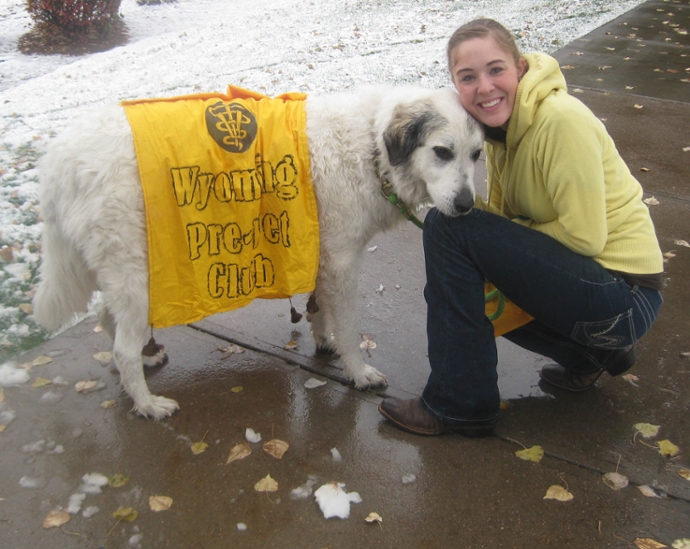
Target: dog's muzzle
463,202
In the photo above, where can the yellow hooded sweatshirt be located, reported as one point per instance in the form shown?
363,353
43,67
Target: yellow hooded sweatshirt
559,173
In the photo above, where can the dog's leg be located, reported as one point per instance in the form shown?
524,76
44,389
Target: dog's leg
322,320
129,312
339,282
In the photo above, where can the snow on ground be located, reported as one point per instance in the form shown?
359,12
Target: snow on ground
272,46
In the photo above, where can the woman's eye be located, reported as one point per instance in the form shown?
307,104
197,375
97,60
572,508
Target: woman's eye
475,155
444,153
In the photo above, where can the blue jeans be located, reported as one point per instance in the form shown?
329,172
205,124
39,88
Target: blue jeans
583,313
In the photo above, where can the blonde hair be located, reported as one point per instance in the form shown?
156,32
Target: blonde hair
479,28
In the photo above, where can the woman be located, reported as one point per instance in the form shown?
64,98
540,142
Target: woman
564,234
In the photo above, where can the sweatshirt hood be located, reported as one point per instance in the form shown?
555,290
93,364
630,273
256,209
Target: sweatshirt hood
542,78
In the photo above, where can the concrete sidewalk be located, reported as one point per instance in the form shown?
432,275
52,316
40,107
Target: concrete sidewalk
633,73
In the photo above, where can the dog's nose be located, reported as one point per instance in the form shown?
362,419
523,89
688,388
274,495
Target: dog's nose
464,201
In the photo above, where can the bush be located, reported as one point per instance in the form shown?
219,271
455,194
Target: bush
76,19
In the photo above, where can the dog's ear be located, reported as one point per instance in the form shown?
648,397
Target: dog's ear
408,127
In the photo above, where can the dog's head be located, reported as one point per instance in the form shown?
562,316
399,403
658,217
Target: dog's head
432,145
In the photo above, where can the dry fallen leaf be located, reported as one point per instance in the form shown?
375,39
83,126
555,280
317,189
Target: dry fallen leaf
290,345
108,404
55,519
645,170
117,480
368,344
103,356
681,544
667,448
631,378
558,493
276,448
160,503
82,386
685,473
41,360
639,106
239,451
648,491
40,382
199,447
651,201
126,513
647,543
374,517
266,484
682,243
647,430
535,453
615,481
237,389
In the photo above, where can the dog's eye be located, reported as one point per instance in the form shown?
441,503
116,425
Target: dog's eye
444,153
475,155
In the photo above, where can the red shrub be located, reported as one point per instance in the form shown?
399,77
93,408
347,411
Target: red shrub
76,18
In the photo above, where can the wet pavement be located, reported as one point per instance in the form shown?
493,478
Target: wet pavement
470,493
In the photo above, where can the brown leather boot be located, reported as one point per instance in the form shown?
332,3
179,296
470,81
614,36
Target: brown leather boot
411,415
572,380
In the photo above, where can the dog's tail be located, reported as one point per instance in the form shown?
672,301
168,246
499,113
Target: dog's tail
66,283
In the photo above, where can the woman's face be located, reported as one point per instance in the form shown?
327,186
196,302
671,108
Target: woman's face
486,78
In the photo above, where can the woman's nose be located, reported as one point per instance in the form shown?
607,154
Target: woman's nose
485,84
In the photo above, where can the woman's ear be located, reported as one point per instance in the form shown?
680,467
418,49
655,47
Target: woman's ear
521,67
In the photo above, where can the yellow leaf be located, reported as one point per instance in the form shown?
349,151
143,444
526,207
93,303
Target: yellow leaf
108,404
160,503
648,491
239,451
103,356
558,493
374,517
266,484
40,382
55,519
681,544
118,480
645,170
292,344
237,389
685,473
126,513
647,543
639,106
615,481
535,453
647,430
276,448
81,386
41,360
667,448
199,447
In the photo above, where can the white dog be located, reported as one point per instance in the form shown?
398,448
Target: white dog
94,234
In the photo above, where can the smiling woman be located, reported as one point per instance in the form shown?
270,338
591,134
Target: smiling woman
564,235
486,70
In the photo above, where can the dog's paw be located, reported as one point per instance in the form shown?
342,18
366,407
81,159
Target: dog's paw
367,377
157,407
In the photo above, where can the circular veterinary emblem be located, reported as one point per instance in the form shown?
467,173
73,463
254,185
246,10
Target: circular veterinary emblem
231,125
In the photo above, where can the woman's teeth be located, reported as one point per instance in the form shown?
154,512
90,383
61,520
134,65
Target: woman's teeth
490,104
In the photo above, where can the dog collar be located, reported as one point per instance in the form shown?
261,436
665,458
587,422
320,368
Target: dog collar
387,192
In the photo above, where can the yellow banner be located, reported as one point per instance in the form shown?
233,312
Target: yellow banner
230,207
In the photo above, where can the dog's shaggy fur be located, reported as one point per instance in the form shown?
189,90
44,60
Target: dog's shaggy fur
94,234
